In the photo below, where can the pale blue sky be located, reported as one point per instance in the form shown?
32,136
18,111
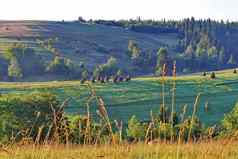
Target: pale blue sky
117,9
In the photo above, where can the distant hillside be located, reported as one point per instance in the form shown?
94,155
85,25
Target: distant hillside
91,44
71,50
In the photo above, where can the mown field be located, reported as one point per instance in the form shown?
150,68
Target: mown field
142,95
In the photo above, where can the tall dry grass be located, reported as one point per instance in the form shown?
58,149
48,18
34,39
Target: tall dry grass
203,150
58,146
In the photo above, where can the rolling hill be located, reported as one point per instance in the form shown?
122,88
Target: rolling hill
91,44
142,95
59,50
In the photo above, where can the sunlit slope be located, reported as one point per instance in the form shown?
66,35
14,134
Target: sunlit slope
142,95
89,43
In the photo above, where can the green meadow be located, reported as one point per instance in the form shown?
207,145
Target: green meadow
141,96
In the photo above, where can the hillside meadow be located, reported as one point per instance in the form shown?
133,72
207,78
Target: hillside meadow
142,95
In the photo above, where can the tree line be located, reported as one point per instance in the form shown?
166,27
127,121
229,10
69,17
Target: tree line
203,44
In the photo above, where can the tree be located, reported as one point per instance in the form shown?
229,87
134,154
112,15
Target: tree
60,65
212,52
119,73
231,60
109,68
84,74
189,52
97,72
30,62
131,45
135,53
133,50
162,58
221,56
81,20
14,69
201,52
111,62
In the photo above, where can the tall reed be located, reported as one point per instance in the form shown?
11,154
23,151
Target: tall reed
102,111
173,101
163,91
193,116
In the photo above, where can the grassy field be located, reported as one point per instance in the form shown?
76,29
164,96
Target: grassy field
205,150
141,95
91,44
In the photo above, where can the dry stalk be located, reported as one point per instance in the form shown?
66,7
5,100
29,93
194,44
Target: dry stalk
38,137
147,138
119,126
102,110
163,90
173,101
193,116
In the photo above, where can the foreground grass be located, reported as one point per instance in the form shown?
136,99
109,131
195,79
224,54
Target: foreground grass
209,150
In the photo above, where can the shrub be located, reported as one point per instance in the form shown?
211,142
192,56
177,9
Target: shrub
213,75
230,121
136,130
197,129
24,112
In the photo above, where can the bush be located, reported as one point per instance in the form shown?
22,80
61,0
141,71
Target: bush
230,121
24,112
136,130
196,131
213,75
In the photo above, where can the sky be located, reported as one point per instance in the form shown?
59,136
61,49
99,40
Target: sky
117,9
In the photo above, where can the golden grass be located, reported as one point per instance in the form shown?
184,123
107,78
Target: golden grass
205,150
